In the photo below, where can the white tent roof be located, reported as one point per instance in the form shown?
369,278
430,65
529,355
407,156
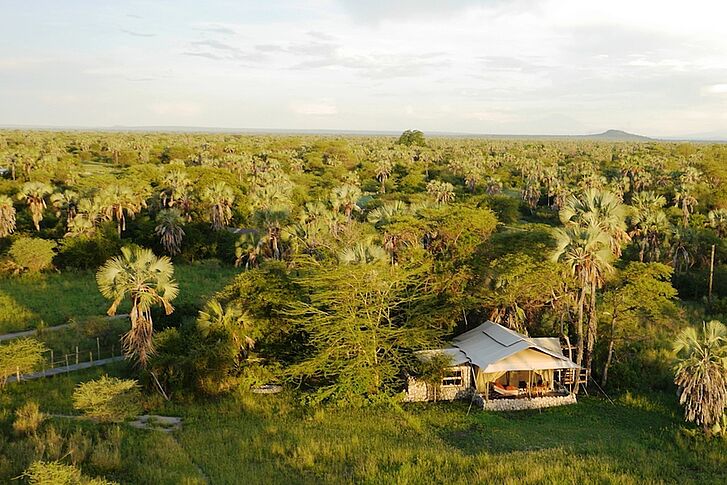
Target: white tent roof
494,348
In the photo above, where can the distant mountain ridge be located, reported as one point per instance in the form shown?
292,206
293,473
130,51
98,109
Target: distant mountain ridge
617,135
608,135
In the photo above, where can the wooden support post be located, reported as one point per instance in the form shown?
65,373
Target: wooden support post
90,356
52,359
711,277
66,360
76,354
17,373
98,349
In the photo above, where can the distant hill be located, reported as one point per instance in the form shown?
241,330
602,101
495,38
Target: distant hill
616,135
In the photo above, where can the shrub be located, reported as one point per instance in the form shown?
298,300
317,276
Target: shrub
78,446
20,355
88,252
106,455
32,255
28,418
108,399
55,473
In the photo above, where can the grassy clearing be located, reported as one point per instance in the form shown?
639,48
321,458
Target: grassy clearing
270,439
54,298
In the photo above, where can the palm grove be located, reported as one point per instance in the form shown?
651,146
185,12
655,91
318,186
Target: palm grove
356,252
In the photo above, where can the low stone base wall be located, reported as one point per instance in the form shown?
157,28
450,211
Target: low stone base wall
524,403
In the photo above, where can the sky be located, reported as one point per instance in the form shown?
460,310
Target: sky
657,68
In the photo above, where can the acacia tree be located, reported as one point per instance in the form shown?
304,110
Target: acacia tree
147,281
361,322
639,295
7,216
33,194
701,374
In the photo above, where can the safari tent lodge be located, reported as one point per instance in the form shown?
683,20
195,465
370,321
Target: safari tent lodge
500,369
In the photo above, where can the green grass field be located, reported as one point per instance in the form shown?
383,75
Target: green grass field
54,298
271,439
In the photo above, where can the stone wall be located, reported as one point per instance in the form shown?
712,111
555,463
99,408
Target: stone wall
520,404
420,391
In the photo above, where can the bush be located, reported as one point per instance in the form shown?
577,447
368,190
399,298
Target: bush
505,207
108,399
88,252
32,255
55,473
20,355
28,418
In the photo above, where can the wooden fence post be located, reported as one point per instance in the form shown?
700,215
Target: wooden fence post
76,354
98,349
52,359
17,373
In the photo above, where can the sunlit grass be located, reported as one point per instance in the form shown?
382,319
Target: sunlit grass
55,298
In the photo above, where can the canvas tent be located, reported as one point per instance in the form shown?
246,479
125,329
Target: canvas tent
492,355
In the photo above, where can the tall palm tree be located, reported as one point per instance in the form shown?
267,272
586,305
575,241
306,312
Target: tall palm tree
599,208
117,202
33,193
65,202
170,231
650,224
685,196
7,216
717,220
219,197
586,251
701,374
383,170
177,192
146,280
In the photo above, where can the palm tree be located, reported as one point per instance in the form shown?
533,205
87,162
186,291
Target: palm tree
383,170
685,192
601,209
384,214
7,216
363,253
717,220
443,192
145,279
701,374
169,229
232,319
65,202
177,192
586,251
33,193
220,197
650,224
345,199
248,250
116,202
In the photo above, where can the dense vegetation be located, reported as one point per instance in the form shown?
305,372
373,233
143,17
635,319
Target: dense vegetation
353,253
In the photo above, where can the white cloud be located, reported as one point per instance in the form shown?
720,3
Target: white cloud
716,89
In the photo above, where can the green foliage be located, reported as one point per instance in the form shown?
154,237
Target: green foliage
108,399
361,322
187,359
32,255
28,418
55,473
88,251
701,374
412,138
20,356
